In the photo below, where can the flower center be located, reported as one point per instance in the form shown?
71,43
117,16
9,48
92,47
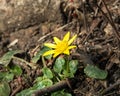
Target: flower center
62,46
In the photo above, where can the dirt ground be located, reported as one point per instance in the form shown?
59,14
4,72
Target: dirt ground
98,41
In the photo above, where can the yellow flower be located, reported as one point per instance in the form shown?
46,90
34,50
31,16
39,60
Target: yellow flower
61,46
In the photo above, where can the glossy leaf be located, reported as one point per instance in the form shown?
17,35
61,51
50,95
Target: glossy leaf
73,66
37,86
43,83
59,64
39,54
47,73
4,89
5,60
94,72
71,70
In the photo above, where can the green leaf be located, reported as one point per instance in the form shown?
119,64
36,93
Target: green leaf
37,86
2,75
71,70
4,89
94,72
39,54
26,92
59,63
9,77
16,70
5,60
61,93
6,76
66,74
38,79
43,83
47,73
73,66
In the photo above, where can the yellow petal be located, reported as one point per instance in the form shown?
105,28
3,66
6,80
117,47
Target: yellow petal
66,52
71,47
66,37
56,54
57,41
71,40
49,52
50,45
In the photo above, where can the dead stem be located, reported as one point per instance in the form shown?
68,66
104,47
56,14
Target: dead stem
32,65
58,86
85,22
16,90
96,11
110,20
110,88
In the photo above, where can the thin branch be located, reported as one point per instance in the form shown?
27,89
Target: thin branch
85,21
16,90
96,11
45,36
32,65
110,20
110,88
58,86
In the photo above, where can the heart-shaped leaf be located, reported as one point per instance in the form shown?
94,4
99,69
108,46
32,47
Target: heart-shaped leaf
47,73
5,60
59,63
94,72
43,83
37,86
39,54
73,66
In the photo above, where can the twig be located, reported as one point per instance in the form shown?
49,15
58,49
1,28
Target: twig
85,20
96,11
110,20
94,24
12,43
113,24
32,65
110,88
43,61
45,36
16,90
58,86
109,66
117,1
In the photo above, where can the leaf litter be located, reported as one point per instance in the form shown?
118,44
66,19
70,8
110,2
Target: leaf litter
97,45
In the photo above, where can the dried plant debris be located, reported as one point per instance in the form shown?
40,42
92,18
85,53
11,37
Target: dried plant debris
77,57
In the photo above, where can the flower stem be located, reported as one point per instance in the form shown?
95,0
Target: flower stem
67,69
43,61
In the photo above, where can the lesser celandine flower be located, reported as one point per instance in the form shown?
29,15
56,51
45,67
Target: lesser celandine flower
61,46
